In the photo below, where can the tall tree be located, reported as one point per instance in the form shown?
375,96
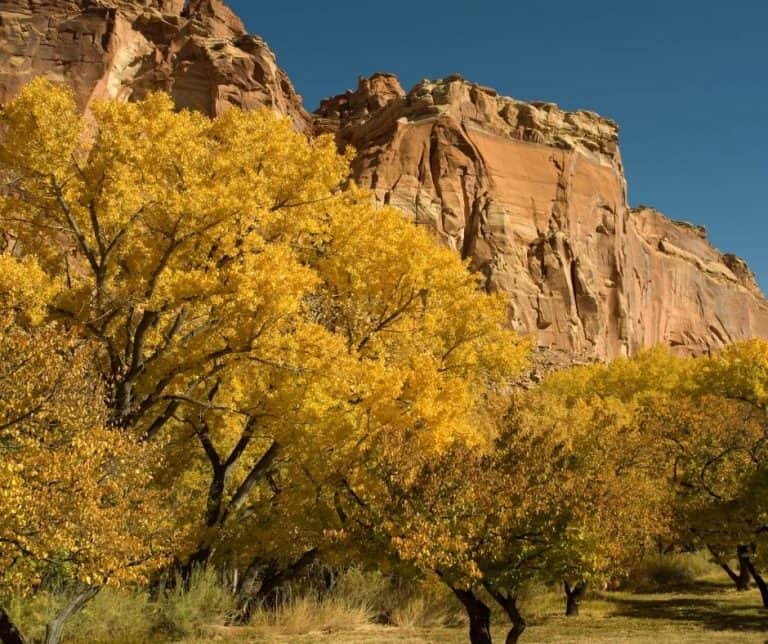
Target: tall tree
244,304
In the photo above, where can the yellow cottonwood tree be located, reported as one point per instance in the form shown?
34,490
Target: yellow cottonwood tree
177,242
245,305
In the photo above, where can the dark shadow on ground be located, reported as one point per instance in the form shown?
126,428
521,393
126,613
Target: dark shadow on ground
694,588
710,614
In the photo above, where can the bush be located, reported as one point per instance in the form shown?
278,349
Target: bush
33,613
115,616
301,615
669,572
126,616
357,598
181,613
430,609
425,603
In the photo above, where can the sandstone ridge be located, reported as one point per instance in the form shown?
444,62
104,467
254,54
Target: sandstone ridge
531,195
535,197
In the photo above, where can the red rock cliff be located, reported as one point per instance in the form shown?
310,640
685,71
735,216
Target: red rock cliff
197,51
535,198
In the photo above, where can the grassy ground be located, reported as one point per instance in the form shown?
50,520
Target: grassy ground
675,598
706,612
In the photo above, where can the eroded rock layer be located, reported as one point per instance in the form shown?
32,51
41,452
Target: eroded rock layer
532,196
198,51
535,198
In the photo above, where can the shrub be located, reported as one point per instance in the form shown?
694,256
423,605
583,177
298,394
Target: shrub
116,616
669,572
33,612
181,613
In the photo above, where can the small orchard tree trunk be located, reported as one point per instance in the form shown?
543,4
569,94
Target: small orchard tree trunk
479,616
246,600
735,578
573,596
9,633
518,623
272,578
54,631
509,603
743,578
197,560
762,586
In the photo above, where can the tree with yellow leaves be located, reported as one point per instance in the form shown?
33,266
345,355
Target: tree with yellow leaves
623,498
570,492
72,489
700,423
718,452
244,304
178,243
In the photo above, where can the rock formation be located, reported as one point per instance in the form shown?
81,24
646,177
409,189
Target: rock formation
198,51
535,198
532,196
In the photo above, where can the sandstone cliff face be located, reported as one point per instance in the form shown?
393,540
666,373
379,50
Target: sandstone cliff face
535,198
197,51
532,196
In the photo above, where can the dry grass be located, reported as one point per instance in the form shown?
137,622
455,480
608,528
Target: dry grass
308,614
713,612
704,608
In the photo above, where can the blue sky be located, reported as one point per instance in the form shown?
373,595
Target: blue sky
686,80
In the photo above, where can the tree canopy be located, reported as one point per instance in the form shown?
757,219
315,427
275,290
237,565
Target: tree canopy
217,350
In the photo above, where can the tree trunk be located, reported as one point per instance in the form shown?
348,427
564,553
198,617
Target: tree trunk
509,603
246,601
273,578
479,616
55,629
179,574
758,580
762,586
573,597
9,633
742,581
735,578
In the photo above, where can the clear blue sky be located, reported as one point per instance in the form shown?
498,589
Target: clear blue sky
686,80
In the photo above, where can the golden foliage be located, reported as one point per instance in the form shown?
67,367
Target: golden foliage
73,492
277,331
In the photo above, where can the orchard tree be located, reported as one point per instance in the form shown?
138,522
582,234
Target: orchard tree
614,501
717,440
717,448
569,492
72,488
